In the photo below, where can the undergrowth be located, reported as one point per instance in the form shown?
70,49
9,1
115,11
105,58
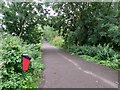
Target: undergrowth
11,48
104,55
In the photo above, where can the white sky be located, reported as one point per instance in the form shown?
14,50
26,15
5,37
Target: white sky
52,12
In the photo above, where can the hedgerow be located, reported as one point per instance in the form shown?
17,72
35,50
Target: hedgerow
11,48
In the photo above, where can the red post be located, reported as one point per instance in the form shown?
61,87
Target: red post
25,63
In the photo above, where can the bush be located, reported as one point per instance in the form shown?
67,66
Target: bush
12,49
49,33
58,41
52,36
83,50
103,54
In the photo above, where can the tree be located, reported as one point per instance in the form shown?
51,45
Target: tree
22,18
87,22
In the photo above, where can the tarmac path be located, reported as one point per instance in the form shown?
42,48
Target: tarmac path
63,70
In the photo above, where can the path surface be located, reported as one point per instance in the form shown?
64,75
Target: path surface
63,70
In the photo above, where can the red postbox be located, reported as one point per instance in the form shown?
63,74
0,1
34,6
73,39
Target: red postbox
25,61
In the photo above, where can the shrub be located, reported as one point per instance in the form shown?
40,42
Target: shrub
58,41
12,49
52,36
49,33
104,52
101,54
83,50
